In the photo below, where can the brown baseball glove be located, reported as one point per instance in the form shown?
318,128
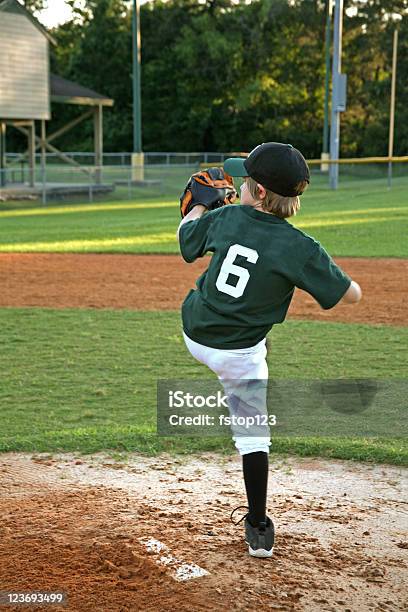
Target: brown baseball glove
212,188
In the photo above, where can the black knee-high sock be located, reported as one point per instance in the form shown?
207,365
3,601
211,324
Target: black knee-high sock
255,467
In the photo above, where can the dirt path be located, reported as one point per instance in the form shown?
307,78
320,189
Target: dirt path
160,282
75,525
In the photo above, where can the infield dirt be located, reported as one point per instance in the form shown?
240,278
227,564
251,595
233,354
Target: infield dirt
160,282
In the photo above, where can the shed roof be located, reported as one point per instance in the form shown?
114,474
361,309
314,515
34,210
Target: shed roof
69,92
15,7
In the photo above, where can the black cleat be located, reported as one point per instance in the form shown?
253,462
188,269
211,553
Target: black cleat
260,539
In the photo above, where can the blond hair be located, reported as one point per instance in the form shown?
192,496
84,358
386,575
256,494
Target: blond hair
274,203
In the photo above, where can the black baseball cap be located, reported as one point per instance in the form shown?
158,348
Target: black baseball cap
277,166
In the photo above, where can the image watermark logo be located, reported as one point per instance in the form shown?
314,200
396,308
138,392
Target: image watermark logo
211,408
180,399
286,407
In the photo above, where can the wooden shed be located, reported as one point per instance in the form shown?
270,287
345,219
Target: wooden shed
27,88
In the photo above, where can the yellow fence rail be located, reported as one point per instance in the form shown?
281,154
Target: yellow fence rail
316,162
359,160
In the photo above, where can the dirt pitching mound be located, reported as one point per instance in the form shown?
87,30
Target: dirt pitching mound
78,526
160,282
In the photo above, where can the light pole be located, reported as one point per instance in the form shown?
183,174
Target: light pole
137,156
395,18
338,104
325,151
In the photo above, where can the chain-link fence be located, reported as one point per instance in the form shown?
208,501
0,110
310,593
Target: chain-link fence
162,178
123,159
91,183
353,172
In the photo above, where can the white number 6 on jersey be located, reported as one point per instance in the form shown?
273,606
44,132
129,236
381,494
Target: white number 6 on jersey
228,267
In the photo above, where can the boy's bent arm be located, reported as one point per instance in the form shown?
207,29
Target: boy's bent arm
326,281
352,295
195,213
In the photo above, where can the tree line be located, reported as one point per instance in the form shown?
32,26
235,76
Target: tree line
224,75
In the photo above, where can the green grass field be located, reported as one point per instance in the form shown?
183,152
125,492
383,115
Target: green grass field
364,220
85,380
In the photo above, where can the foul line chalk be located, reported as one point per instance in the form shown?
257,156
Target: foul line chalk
179,570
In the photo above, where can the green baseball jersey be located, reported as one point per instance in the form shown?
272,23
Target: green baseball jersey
258,260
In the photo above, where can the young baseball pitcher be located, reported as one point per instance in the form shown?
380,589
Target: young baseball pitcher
258,260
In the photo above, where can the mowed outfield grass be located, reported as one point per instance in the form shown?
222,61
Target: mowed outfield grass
360,219
85,380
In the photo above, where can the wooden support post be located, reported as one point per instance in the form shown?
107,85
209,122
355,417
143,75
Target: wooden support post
53,149
2,154
31,153
67,159
98,140
43,162
56,134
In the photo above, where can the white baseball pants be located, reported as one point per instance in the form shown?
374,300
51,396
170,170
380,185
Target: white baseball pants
237,364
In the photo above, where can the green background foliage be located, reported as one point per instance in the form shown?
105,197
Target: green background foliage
224,76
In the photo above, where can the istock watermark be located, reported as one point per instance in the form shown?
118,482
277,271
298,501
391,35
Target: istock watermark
209,408
180,399
287,407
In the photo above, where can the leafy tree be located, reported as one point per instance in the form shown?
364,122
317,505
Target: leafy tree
34,5
226,75
368,37
94,49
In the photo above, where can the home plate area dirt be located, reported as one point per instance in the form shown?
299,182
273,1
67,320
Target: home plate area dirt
113,536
